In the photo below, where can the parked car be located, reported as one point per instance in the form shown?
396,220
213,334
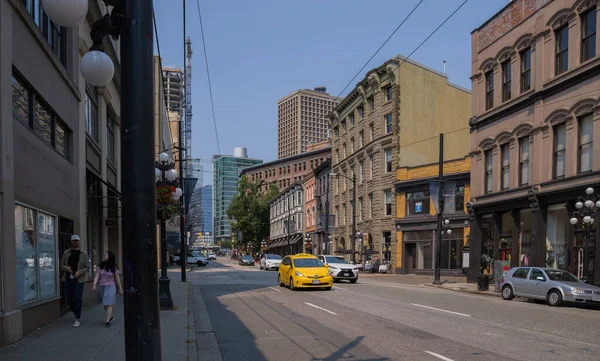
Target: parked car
193,258
548,284
340,268
304,270
212,256
246,260
46,261
270,261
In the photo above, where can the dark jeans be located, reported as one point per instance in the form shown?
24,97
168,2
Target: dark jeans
74,295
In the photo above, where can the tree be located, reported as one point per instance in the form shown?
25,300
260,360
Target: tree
249,211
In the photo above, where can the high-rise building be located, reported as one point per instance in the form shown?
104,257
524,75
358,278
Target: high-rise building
207,214
195,208
302,120
174,88
226,174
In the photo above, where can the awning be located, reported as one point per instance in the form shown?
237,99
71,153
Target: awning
284,241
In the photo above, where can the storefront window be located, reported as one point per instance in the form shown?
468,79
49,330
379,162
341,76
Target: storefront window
451,250
506,238
525,237
417,203
387,246
36,254
423,242
488,249
556,237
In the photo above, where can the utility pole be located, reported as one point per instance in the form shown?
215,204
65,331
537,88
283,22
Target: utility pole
140,268
438,243
353,217
182,247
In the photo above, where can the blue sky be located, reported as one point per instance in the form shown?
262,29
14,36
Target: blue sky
261,50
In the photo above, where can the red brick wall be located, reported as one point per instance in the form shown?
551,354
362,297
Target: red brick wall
507,19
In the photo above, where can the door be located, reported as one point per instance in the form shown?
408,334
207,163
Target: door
536,284
411,257
519,281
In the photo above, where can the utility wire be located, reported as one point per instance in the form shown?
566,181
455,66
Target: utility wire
382,45
161,69
212,104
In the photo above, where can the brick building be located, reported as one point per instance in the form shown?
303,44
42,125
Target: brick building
535,132
310,213
367,143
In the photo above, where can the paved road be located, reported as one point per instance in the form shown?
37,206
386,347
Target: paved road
376,319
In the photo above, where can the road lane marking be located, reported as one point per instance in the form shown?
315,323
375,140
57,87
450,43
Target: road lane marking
439,356
439,309
274,289
340,288
320,308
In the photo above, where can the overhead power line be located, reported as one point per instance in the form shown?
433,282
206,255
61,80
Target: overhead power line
212,104
382,45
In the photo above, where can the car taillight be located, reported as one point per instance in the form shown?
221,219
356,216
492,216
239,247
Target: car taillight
502,280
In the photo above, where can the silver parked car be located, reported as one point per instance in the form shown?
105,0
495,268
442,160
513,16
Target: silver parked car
552,285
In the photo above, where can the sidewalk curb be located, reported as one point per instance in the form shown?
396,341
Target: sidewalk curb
464,290
207,346
192,343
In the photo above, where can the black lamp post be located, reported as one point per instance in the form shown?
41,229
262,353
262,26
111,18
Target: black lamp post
307,242
167,181
588,208
353,238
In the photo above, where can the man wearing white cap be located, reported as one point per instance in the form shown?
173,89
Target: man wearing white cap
75,267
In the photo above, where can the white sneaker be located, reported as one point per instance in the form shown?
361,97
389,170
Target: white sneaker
76,323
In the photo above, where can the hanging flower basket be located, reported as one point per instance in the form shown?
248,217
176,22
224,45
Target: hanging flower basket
166,206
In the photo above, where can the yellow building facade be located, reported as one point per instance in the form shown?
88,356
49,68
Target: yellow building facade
416,221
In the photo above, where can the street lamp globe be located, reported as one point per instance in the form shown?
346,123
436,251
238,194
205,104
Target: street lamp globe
171,174
66,12
589,191
447,221
574,220
97,68
163,157
589,203
449,232
587,219
579,205
598,204
177,194
156,172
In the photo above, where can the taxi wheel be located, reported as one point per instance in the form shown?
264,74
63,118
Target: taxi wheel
327,288
292,284
279,280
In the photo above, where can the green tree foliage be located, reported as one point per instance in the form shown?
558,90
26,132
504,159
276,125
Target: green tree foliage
249,211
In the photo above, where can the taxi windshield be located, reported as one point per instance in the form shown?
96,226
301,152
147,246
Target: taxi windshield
308,262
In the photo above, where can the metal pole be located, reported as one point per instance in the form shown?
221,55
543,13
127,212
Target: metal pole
164,283
438,243
353,217
182,247
586,253
140,268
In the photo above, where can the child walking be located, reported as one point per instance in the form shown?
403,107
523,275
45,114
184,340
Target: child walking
107,276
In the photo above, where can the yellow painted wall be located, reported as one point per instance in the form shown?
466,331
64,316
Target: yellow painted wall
400,205
467,233
429,106
399,249
431,170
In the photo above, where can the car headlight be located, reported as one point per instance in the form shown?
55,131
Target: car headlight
299,274
334,267
578,291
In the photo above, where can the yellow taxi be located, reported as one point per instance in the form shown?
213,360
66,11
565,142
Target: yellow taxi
304,270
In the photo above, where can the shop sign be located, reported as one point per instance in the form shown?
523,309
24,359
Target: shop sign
418,207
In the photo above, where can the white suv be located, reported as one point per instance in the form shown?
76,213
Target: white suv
270,261
339,268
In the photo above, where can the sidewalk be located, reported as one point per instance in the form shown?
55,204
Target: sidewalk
59,341
466,287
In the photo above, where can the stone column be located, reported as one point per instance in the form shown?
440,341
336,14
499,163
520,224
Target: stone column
538,241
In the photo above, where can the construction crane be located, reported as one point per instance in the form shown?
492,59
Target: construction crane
187,129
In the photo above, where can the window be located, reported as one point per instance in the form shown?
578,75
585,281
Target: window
337,218
361,167
37,271
586,141
360,208
91,113
459,199
388,202
562,50
371,103
388,124
53,33
345,155
371,132
417,203
525,70
29,108
489,90
560,140
388,93
506,80
588,35
521,273
370,205
337,155
505,150
361,111
388,160
535,273
344,125
336,131
344,215
361,139
489,166
524,161
371,165
352,145
351,118
110,138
